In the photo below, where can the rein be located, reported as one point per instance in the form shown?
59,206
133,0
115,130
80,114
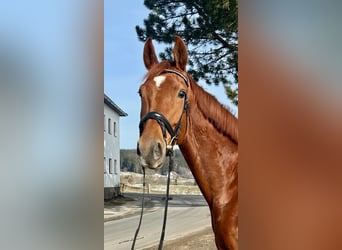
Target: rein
165,208
174,133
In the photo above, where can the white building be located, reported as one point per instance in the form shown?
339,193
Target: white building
112,113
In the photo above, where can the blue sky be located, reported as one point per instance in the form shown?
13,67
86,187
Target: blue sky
124,67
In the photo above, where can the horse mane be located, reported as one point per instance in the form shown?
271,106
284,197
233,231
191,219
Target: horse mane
216,113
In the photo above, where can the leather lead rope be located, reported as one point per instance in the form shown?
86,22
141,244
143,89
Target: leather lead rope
161,241
142,210
170,154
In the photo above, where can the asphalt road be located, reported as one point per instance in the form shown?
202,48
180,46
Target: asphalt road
186,214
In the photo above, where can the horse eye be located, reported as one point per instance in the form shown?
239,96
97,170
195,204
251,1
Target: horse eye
181,94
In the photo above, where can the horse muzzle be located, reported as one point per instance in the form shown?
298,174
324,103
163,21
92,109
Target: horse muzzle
152,154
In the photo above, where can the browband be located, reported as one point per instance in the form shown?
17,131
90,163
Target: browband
179,74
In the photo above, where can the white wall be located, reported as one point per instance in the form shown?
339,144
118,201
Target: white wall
111,148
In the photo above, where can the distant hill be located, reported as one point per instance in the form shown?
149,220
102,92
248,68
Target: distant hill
129,162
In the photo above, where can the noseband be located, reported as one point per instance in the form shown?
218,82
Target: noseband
163,121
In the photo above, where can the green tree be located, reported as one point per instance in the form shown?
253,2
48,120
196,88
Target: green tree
210,29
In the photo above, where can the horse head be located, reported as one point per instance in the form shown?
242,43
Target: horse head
164,104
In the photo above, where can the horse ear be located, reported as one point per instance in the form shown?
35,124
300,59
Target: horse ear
180,53
150,57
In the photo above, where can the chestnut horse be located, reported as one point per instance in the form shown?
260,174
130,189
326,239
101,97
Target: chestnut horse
176,110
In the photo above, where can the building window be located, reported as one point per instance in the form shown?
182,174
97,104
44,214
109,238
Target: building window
104,165
114,129
109,129
104,122
110,166
115,167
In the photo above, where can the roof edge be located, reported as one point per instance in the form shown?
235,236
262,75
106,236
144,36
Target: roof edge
112,105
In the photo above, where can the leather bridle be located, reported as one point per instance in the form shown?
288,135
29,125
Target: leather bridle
174,133
163,121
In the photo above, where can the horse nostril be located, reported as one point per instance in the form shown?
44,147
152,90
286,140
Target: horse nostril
157,150
138,150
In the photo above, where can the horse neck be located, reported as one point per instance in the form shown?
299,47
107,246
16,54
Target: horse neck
208,153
